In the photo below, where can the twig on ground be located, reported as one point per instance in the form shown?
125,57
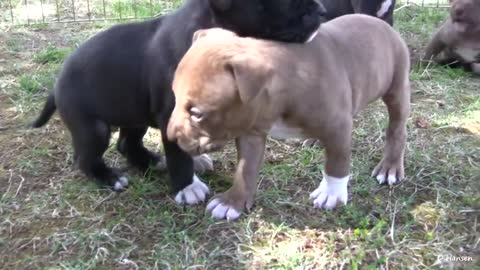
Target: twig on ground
19,186
402,7
102,201
392,228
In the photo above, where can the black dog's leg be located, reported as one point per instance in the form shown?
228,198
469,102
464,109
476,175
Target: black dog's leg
130,145
188,188
389,19
373,7
90,141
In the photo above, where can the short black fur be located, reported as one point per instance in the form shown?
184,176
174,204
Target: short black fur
337,8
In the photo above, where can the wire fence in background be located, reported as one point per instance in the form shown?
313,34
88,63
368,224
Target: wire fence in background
21,12
425,3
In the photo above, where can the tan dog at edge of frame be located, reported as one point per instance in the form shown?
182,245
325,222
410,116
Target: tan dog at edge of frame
227,87
458,39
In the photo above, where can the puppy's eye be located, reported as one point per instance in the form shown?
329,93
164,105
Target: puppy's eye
196,114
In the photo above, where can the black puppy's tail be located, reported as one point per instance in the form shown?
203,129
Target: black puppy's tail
47,112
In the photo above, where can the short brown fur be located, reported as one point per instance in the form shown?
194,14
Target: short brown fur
242,86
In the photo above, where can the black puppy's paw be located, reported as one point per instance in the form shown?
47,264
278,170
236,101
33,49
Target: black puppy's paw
194,193
310,143
202,163
120,184
160,164
113,180
140,157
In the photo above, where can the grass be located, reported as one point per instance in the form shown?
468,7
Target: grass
142,8
44,77
51,54
52,217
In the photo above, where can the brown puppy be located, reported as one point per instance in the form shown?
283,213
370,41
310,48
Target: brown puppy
458,39
227,87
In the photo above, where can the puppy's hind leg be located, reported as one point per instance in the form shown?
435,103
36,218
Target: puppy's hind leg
90,141
391,168
130,145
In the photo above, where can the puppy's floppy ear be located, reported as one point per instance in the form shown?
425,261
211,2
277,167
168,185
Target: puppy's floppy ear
216,32
252,76
199,34
220,5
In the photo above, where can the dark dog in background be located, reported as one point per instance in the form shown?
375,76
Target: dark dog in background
122,77
457,42
382,9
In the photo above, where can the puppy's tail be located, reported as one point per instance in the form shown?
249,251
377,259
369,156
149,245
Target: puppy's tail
46,113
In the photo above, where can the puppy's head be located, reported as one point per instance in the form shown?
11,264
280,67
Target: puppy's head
281,20
465,15
216,85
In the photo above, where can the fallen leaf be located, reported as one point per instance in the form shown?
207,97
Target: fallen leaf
422,123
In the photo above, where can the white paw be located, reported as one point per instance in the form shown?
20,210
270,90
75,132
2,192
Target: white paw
194,193
381,179
391,178
311,143
330,192
476,68
161,165
121,183
222,211
202,163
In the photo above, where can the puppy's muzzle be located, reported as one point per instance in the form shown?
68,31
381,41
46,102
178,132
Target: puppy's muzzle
191,143
199,146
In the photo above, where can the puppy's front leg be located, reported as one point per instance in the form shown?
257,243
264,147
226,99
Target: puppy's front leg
333,188
189,189
229,205
435,46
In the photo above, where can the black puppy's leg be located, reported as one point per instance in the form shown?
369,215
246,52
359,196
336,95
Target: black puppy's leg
382,9
389,19
475,68
90,141
188,188
130,145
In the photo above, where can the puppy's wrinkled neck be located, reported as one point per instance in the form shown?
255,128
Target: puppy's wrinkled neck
467,30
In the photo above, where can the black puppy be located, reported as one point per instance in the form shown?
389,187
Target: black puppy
382,9
122,77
